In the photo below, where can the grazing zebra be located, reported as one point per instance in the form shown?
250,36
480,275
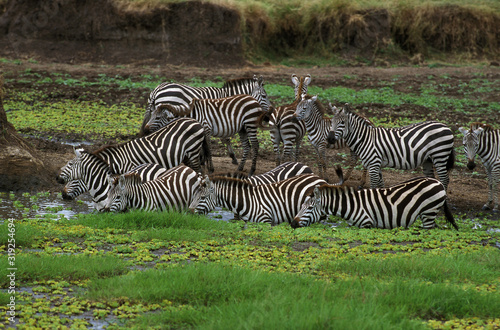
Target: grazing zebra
427,144
279,173
179,94
286,128
88,172
224,117
181,141
396,206
273,203
484,141
171,191
310,111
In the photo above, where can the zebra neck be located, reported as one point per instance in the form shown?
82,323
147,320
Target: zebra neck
489,146
96,180
359,135
231,196
315,122
340,201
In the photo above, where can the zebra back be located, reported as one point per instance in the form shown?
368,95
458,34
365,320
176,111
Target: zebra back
181,141
172,190
396,206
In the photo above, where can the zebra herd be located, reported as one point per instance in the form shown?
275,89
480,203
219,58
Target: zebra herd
164,168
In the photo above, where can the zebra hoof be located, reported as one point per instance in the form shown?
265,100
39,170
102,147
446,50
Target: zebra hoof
486,207
235,162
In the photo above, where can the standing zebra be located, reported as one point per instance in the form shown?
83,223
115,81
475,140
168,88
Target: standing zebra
427,144
88,172
396,206
179,94
181,141
171,191
310,111
286,128
279,173
224,117
484,141
273,203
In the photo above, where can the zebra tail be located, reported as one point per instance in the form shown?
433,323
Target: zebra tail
206,154
451,160
449,215
264,117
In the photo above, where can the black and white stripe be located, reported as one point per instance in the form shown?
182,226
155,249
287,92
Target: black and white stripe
182,141
173,190
285,128
484,141
279,173
273,203
396,206
223,117
88,172
428,144
180,94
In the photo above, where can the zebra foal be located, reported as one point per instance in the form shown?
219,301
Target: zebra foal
173,190
396,206
428,144
223,117
484,141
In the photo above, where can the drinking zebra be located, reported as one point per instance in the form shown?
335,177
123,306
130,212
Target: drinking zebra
88,172
396,206
273,203
279,173
285,128
181,141
484,141
224,117
180,94
311,112
173,190
428,144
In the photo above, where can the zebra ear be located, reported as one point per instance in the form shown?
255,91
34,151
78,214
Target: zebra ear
78,151
463,130
347,108
295,79
261,80
307,80
121,181
316,193
314,98
478,130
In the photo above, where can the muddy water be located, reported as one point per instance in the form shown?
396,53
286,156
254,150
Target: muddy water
26,205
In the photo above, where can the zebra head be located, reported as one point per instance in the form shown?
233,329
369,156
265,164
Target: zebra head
338,128
203,197
162,115
260,94
471,144
300,85
74,189
310,211
73,170
118,188
304,108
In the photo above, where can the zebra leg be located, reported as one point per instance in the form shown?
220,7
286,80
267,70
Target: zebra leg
376,180
246,148
275,138
255,147
492,189
230,151
428,168
208,152
297,149
428,219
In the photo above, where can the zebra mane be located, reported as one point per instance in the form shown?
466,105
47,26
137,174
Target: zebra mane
231,178
238,82
476,125
364,119
134,178
319,105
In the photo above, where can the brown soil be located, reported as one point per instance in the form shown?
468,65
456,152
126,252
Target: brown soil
467,192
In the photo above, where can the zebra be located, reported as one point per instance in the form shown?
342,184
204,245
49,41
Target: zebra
427,143
311,112
88,172
279,173
484,141
286,128
396,206
180,94
223,117
181,141
273,203
173,190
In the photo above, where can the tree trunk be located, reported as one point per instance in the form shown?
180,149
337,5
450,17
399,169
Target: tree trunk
21,169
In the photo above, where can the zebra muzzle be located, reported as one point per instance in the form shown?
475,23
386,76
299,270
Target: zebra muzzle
471,165
295,223
331,138
60,180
